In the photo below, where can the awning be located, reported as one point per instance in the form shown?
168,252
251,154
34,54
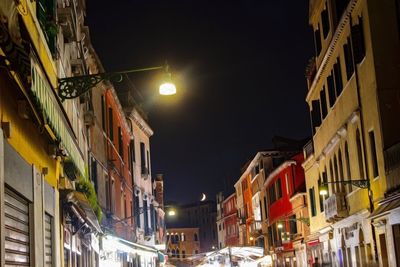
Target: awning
385,207
81,205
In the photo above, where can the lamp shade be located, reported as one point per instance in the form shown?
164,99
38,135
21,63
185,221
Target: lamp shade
167,88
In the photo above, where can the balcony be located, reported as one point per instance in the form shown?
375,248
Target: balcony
256,228
308,149
392,168
335,207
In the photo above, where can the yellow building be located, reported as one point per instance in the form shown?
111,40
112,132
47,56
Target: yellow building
43,144
353,89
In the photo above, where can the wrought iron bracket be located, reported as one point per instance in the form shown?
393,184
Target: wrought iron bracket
72,87
364,183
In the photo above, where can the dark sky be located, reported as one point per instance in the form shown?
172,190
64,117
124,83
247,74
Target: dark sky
239,67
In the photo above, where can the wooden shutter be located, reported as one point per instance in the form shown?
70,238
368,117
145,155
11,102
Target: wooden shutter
48,239
17,232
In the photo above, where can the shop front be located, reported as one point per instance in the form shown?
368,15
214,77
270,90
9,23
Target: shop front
117,252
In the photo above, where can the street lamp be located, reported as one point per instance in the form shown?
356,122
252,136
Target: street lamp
72,87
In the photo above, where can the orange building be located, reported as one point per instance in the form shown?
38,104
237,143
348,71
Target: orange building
119,188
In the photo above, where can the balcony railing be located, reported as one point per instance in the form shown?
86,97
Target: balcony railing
335,207
256,227
308,149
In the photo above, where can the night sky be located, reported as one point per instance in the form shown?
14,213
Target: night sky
239,68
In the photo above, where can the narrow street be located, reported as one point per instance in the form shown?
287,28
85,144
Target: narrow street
199,133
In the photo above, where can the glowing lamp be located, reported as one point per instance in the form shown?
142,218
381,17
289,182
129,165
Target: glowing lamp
323,190
171,213
167,88
280,225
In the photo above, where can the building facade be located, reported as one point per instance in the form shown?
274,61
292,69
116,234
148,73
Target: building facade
49,208
286,216
182,243
220,220
352,84
230,221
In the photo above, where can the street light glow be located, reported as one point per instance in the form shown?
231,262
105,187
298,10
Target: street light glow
323,190
167,89
171,213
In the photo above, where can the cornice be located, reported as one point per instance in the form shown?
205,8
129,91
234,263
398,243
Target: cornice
332,47
135,116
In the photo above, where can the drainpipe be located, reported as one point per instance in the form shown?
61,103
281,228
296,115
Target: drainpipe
370,193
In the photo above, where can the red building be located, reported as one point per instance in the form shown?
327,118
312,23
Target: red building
119,183
287,210
230,220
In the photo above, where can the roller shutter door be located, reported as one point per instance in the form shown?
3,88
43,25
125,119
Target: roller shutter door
17,232
48,248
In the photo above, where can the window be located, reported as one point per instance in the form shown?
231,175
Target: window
270,236
373,153
271,193
137,213
120,143
45,13
338,77
317,39
315,114
311,192
325,22
348,59
331,90
265,207
103,115
148,162
183,254
331,176
110,125
244,185
219,227
293,224
359,155
321,197
287,184
279,188
143,158
347,159
324,107
340,7
358,42
196,238
341,174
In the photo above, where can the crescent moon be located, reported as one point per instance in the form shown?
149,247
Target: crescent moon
203,197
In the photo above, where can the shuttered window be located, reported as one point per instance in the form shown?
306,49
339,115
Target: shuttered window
48,240
357,36
348,58
338,77
17,232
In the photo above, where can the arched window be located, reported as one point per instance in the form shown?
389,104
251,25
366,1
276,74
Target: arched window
338,187
331,176
196,238
173,253
359,155
341,176
177,253
176,238
347,159
182,237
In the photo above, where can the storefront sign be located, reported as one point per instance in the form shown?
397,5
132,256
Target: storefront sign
54,116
